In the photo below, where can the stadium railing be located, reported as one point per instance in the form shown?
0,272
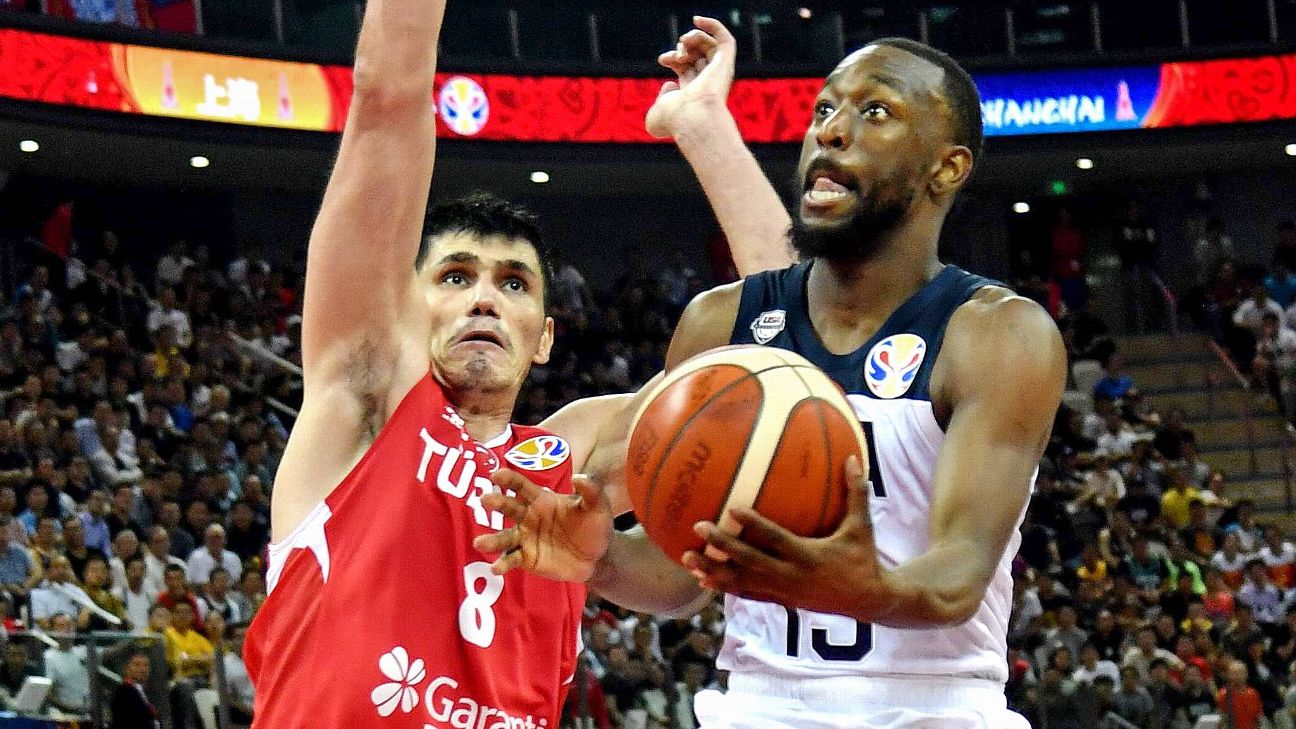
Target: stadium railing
102,655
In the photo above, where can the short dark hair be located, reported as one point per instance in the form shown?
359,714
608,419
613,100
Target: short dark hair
173,568
960,91
484,214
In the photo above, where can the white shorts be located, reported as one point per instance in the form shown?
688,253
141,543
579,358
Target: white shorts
856,702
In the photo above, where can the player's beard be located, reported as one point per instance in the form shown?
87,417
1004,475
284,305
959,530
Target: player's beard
861,236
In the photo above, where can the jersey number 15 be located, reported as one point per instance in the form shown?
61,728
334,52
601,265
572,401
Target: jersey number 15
863,642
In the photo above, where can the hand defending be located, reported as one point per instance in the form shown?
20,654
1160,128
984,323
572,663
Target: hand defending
703,63
557,536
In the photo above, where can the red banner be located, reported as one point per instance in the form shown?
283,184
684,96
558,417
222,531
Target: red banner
137,79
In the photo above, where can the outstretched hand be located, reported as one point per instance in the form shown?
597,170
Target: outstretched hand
703,63
558,536
767,562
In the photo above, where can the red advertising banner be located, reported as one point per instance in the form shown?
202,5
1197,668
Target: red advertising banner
208,87
136,79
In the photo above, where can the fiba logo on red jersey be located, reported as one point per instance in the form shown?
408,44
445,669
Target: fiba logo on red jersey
464,106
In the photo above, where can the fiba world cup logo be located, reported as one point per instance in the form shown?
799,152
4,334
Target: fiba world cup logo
463,106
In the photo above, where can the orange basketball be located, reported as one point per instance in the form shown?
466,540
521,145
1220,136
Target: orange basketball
741,426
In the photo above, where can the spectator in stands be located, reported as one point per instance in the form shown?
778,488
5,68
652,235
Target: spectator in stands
95,581
1103,486
1197,699
1271,370
1250,313
1169,439
246,537
1241,632
211,555
171,267
242,694
1261,595
1115,382
1231,560
190,655
134,594
1133,703
59,595
1238,703
1117,441
15,669
217,597
131,707
74,547
1092,666
167,314
180,542
66,667
44,546
158,557
1212,248
17,574
38,507
1243,522
1279,557
177,592
1067,634
1176,503
251,592
1145,650
1149,573
97,533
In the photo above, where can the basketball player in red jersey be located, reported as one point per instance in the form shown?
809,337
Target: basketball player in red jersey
381,613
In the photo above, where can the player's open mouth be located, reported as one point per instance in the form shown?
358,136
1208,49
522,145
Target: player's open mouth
483,336
826,187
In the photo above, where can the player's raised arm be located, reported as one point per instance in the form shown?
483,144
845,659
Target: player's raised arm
360,283
693,111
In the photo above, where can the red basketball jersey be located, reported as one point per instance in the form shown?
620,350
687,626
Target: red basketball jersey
381,613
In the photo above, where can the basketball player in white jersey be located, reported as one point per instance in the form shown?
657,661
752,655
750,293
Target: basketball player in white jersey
899,619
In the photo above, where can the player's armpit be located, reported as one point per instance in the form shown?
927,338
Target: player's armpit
360,284
1003,380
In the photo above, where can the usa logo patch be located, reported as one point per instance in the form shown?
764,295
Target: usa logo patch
768,325
893,364
540,453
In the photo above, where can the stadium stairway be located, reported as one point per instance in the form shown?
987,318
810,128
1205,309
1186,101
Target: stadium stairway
1185,373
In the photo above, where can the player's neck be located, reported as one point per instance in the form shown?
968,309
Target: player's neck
485,415
849,301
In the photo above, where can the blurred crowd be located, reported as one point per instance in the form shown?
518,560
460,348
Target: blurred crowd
146,402
140,431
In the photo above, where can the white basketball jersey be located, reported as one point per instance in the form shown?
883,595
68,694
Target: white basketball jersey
886,381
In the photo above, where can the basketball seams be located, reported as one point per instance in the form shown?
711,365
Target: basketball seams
842,405
759,432
721,356
828,444
664,458
755,465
